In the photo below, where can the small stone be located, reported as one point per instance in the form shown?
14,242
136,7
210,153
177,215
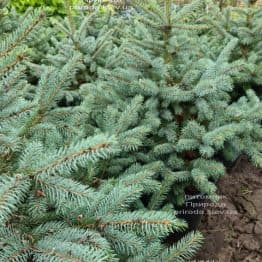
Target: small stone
258,228
226,254
249,242
245,228
257,200
231,212
248,207
252,258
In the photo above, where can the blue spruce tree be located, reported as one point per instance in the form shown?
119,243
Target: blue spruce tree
52,207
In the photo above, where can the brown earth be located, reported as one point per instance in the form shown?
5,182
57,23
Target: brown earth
233,227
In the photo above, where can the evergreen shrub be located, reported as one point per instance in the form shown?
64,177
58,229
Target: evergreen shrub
52,206
108,120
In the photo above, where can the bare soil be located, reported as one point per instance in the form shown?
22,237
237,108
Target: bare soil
233,227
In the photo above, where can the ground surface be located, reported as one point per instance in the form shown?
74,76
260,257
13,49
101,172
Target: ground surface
233,227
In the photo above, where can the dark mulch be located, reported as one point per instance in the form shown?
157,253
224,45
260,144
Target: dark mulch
233,227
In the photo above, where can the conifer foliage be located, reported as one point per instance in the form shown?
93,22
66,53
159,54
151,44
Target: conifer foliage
187,76
107,120
52,206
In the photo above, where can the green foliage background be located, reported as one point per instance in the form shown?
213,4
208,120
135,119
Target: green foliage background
58,7
54,6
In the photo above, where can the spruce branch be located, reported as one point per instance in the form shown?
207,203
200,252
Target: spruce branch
12,192
183,250
50,249
16,247
151,223
125,244
67,159
118,200
59,190
11,41
8,65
